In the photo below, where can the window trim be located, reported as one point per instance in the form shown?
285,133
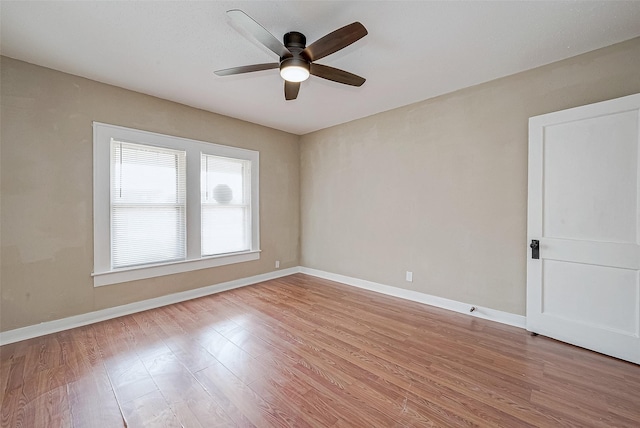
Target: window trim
103,274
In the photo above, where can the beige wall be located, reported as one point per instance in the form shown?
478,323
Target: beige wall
46,191
437,187
440,187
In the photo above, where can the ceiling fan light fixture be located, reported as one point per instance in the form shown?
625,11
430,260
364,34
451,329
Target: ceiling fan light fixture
294,69
296,58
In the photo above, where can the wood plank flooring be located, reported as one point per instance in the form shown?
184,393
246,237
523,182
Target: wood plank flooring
305,352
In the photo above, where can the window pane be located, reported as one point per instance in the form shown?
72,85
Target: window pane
145,174
223,180
226,209
225,230
142,235
148,205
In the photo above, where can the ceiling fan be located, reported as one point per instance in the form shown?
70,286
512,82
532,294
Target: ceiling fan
297,59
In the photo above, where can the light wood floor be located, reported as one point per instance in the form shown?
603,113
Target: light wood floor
301,351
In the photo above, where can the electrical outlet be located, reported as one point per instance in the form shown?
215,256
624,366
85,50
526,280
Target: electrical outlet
277,264
409,276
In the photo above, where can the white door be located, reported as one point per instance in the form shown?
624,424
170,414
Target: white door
584,209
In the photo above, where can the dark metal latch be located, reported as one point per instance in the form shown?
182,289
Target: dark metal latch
535,249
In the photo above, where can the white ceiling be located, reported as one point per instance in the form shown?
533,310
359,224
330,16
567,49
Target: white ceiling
414,50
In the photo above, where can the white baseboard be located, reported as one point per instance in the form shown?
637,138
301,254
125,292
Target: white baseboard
55,326
440,302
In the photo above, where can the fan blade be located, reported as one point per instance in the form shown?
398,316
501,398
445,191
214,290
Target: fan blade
332,42
291,90
259,32
336,75
246,69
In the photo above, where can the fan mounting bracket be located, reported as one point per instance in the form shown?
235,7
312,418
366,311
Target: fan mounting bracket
294,40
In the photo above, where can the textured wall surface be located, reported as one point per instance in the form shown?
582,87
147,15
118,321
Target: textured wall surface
47,191
439,187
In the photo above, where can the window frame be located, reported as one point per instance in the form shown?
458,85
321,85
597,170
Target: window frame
102,273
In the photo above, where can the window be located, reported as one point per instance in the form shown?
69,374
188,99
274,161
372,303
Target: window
165,205
225,205
148,205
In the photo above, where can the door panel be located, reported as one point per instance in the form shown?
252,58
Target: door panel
584,208
565,282
590,179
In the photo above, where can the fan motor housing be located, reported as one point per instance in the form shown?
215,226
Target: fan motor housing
295,42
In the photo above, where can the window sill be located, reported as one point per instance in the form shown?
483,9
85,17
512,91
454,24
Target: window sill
133,274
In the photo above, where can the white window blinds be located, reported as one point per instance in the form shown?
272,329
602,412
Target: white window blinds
148,204
226,205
